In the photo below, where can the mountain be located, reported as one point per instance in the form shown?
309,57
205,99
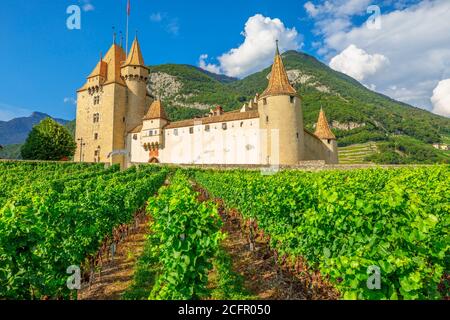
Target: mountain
16,131
357,115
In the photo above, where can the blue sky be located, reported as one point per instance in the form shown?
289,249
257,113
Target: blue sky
44,62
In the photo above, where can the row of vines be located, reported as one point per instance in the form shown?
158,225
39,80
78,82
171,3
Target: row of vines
53,216
351,225
184,246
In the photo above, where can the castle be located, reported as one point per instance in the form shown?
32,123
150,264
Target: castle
119,121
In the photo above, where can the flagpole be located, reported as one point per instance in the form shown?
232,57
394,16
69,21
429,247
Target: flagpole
128,17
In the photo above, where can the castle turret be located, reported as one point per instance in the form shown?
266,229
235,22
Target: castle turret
323,132
152,133
281,115
135,74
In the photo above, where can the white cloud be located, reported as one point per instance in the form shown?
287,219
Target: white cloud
156,17
207,66
441,98
87,6
357,63
257,50
70,100
173,27
415,38
311,9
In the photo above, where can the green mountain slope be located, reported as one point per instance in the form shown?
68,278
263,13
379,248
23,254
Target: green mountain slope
349,103
357,114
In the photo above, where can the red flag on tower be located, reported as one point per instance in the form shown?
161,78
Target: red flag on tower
128,7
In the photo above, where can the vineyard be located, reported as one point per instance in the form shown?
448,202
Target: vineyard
328,231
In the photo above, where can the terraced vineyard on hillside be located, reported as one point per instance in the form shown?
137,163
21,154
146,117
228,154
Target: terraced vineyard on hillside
357,153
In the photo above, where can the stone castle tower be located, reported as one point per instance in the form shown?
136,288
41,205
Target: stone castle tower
323,131
281,116
113,101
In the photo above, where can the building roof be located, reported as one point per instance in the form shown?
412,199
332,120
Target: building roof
135,57
225,117
115,57
323,130
279,82
156,111
137,129
109,67
100,69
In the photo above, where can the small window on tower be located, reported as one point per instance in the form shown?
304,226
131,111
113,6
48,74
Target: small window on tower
267,118
175,132
328,141
264,101
242,124
292,99
95,136
191,130
224,126
207,128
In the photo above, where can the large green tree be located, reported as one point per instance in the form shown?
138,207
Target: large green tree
48,140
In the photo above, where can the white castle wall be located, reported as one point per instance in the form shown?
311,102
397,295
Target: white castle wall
235,145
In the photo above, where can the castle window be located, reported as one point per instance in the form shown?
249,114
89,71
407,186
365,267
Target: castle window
267,118
207,128
297,135
175,132
96,136
264,101
150,132
135,136
191,130
96,117
156,132
224,126
292,99
328,141
123,119
242,124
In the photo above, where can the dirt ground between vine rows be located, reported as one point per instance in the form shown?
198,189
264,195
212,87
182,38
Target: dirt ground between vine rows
117,274
263,277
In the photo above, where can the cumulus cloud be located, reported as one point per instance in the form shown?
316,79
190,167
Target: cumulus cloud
257,50
357,63
414,38
441,98
208,66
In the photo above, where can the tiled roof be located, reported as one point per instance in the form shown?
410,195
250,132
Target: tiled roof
156,111
137,129
279,81
100,69
228,116
109,67
323,131
135,57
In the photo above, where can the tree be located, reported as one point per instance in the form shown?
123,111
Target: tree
48,141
